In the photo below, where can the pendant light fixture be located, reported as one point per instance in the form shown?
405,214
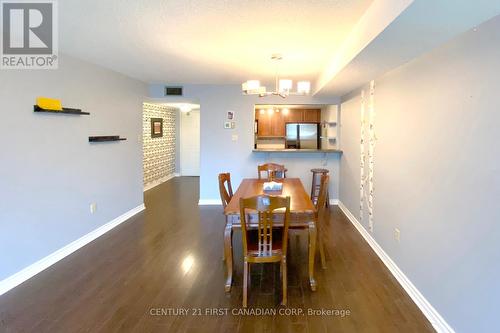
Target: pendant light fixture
283,87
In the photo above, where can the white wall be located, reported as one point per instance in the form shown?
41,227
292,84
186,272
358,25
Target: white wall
50,173
190,143
220,154
437,174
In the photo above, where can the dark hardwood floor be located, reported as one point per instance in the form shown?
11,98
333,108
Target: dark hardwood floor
169,258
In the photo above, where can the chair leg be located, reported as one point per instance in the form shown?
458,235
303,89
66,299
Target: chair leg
249,276
283,278
245,283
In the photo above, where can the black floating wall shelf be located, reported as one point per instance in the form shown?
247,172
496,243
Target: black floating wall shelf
36,108
107,138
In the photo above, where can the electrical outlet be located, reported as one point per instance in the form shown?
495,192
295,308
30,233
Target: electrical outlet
93,208
234,137
370,226
397,235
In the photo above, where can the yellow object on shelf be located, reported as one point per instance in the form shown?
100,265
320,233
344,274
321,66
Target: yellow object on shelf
49,103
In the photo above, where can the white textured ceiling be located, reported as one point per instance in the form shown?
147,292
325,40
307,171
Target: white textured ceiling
421,27
207,41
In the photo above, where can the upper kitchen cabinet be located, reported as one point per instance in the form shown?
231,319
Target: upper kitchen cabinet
303,115
294,116
278,124
270,124
311,115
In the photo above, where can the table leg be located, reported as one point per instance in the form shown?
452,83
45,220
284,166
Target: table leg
228,250
312,252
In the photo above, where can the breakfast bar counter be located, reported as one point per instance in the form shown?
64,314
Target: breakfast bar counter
262,150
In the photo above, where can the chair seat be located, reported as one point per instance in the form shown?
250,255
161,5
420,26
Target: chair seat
253,241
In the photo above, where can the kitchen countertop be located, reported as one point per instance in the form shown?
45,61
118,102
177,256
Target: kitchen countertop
297,151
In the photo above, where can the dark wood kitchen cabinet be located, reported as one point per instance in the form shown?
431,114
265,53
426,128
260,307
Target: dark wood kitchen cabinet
294,116
311,115
270,124
273,124
278,124
303,115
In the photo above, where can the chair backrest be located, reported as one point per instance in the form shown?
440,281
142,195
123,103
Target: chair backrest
323,194
277,170
225,189
265,206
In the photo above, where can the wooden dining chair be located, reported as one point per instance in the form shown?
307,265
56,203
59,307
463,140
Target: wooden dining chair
321,216
225,189
264,244
276,170
226,194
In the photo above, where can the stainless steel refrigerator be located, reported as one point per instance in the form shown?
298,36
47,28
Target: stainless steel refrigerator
302,135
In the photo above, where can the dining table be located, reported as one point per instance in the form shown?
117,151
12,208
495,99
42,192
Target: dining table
302,216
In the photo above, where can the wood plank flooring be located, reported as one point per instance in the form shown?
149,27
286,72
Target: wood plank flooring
169,258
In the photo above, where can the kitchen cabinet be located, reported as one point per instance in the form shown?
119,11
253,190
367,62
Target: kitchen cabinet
278,124
294,116
270,124
273,124
303,115
311,115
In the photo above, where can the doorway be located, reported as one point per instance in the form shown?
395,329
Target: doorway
190,143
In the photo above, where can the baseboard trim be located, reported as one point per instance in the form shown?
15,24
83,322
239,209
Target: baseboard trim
437,321
159,181
33,269
209,202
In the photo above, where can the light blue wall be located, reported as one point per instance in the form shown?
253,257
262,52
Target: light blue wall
220,154
437,174
50,173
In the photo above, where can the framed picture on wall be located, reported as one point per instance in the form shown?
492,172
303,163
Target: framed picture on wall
156,127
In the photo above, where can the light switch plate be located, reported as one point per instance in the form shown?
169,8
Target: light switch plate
93,208
397,235
234,137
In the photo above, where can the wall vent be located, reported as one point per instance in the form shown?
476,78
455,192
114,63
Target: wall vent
173,91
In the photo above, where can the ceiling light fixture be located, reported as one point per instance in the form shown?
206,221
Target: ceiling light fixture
185,108
283,87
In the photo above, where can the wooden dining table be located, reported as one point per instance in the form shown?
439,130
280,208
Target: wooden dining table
302,216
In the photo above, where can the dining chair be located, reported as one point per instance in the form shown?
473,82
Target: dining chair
226,193
264,244
272,170
321,215
225,189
